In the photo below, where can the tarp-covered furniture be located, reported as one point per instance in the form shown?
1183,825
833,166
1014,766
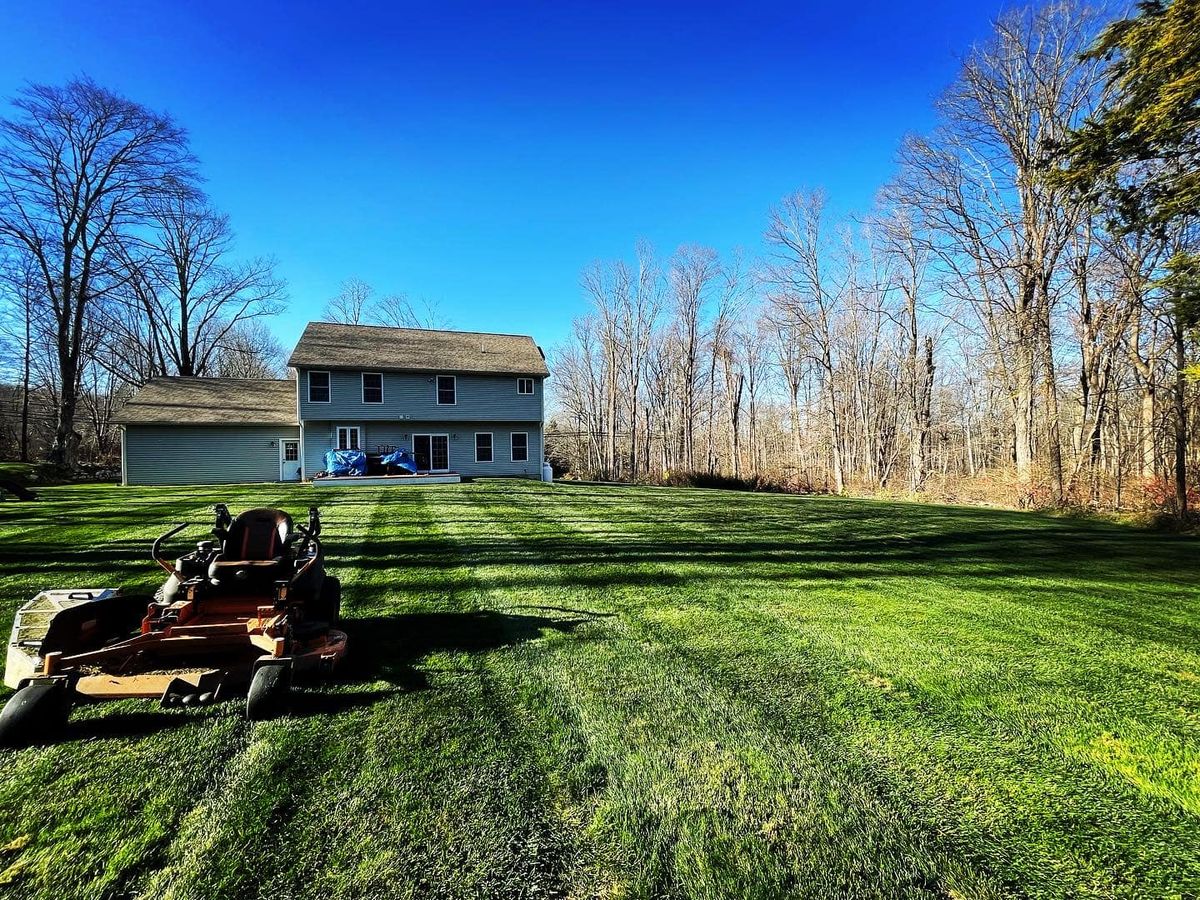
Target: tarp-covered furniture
346,462
401,459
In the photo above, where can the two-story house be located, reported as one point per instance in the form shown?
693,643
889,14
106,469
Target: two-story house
462,402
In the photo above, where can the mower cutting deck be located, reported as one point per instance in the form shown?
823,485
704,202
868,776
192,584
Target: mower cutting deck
254,607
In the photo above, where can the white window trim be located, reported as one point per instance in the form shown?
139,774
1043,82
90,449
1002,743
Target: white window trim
337,428
363,388
329,385
491,446
437,394
511,457
532,387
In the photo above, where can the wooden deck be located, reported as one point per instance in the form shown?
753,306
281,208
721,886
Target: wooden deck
387,480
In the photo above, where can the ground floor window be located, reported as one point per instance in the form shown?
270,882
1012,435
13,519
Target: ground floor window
483,446
520,446
348,438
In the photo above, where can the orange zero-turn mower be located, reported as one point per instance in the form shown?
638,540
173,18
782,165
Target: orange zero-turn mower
253,608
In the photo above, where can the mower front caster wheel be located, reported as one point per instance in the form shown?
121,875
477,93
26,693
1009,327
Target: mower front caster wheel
270,693
36,713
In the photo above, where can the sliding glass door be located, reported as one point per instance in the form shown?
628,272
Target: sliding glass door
432,452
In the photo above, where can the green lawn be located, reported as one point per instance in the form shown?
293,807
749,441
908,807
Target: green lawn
567,691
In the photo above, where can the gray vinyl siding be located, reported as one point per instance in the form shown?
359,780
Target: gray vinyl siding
321,436
218,454
414,396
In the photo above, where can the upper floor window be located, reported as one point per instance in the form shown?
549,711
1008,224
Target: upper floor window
446,393
372,387
524,385
520,446
318,387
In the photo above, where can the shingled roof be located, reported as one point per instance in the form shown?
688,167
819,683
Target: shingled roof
379,348
211,401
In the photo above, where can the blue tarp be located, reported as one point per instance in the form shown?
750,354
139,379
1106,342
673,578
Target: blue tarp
346,462
401,459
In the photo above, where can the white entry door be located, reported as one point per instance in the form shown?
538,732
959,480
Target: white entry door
432,452
289,460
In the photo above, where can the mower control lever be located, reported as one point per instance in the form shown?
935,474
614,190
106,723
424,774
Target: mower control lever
224,520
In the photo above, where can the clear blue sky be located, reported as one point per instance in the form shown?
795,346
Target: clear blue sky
481,155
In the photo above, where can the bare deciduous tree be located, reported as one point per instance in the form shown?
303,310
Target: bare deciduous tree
401,311
80,167
183,295
807,294
693,273
352,304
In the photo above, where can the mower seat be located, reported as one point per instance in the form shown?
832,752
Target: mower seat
255,549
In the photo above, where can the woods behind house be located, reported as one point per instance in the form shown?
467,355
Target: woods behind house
1000,327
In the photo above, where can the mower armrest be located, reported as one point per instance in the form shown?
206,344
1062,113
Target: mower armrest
316,541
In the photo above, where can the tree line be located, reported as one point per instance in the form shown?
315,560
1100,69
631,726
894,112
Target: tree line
1013,321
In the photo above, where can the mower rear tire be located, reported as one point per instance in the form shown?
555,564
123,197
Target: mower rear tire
270,693
36,713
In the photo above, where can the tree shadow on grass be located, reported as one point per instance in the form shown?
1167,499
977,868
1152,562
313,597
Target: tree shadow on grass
388,647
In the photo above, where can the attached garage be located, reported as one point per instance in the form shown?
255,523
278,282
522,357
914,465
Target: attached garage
210,431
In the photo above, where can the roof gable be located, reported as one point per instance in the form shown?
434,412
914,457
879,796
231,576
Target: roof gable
327,345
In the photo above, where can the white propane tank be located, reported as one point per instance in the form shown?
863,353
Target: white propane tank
547,472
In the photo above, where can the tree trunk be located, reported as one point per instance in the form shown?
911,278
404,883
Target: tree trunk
1181,492
1149,450
1050,398
797,445
25,366
1023,415
839,477
734,386
63,452
922,410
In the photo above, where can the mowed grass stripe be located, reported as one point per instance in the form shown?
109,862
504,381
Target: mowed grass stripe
1029,848
664,758
414,792
256,791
